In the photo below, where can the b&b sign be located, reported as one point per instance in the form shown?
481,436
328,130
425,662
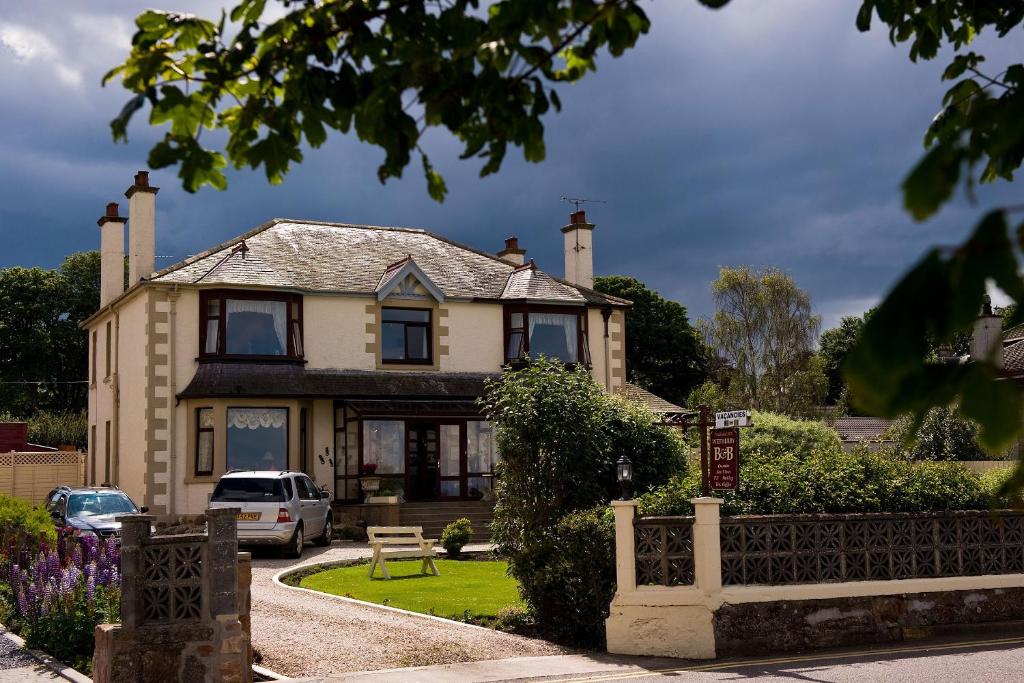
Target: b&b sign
723,469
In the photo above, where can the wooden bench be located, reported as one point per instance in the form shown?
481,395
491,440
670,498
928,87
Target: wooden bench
381,536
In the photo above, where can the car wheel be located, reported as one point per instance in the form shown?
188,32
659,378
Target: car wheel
295,545
325,539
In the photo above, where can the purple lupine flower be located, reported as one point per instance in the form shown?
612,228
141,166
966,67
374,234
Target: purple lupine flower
76,555
90,588
22,603
52,563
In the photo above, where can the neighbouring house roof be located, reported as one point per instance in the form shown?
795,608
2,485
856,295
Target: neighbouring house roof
225,380
861,428
656,403
1013,335
1013,357
359,259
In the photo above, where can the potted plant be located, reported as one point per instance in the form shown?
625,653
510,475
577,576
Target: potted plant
456,535
369,482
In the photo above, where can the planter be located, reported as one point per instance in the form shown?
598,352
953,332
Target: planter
383,500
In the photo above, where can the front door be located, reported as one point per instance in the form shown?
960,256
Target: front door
422,464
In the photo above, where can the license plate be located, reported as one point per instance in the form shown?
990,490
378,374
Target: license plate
247,516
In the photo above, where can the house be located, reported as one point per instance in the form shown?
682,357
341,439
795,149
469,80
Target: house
323,347
870,432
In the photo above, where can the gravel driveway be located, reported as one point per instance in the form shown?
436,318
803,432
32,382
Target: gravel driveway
18,665
302,634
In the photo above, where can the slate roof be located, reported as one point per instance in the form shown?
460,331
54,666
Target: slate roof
1014,334
656,403
273,380
861,428
1013,357
344,258
526,282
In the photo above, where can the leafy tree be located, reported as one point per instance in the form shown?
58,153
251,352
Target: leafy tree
388,69
976,137
766,330
43,354
942,436
834,346
664,353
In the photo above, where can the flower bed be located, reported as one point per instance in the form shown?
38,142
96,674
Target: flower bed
54,593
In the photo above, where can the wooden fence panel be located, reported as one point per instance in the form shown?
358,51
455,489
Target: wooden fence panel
32,475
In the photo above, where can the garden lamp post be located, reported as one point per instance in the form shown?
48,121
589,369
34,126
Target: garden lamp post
624,473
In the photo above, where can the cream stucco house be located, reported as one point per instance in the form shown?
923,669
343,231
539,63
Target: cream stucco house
322,347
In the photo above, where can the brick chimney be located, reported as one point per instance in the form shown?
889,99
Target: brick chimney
512,253
579,250
111,254
987,336
141,228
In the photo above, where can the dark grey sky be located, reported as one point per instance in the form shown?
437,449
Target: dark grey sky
767,133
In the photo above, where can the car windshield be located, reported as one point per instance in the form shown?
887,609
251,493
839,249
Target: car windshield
99,503
252,490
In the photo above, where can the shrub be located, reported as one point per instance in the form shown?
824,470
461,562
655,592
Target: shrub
456,535
572,578
18,518
840,482
559,435
775,435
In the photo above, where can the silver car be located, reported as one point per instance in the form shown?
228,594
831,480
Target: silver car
283,508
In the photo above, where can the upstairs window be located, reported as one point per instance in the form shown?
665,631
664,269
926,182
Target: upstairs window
242,324
553,332
405,335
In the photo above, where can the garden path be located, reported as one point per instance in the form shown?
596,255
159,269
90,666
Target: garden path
18,665
304,634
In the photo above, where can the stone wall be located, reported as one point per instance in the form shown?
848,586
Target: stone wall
184,607
791,625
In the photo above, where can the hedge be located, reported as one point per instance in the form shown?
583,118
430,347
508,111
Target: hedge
838,482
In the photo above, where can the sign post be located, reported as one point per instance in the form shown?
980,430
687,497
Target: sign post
719,464
724,466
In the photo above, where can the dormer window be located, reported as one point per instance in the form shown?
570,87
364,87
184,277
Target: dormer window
406,335
551,331
251,325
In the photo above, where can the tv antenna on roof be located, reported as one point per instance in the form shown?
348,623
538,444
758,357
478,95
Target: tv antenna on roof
580,200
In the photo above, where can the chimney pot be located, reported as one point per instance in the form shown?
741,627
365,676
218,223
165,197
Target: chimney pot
142,179
512,253
141,228
112,210
577,217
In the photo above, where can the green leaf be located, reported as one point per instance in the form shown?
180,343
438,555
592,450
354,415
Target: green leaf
436,187
930,184
864,15
119,125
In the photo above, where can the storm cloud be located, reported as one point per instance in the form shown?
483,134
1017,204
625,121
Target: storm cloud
762,134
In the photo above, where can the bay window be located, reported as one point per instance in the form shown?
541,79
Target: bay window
555,332
237,324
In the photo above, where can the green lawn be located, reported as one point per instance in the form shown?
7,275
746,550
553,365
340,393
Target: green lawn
480,587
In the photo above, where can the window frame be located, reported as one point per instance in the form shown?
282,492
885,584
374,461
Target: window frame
200,430
428,325
107,362
295,325
582,331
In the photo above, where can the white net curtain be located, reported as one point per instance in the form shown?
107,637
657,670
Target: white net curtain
554,335
257,418
251,324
